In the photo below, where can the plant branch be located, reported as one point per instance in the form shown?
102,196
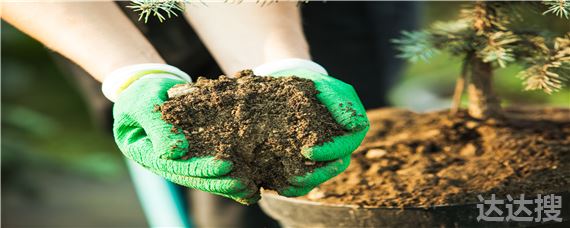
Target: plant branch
460,86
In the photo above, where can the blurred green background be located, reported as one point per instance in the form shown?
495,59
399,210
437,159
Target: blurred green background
59,169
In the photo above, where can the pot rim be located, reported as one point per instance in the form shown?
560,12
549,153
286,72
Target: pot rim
276,196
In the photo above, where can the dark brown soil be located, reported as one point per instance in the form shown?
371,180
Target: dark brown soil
259,123
421,160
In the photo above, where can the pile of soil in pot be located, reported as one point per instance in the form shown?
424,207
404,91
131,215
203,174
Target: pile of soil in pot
260,124
421,160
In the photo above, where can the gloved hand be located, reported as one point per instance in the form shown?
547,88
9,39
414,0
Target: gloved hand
145,138
345,107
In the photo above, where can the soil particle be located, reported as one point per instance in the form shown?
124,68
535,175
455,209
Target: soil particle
421,160
261,124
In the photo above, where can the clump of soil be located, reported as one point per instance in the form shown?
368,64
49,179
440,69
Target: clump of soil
422,160
259,123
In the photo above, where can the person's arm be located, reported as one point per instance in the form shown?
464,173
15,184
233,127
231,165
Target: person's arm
98,37
95,35
245,35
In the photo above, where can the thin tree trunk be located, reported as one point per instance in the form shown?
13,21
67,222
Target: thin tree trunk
483,103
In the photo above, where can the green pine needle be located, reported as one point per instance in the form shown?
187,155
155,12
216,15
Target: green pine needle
549,74
501,56
158,8
540,77
163,9
559,8
499,48
450,27
415,46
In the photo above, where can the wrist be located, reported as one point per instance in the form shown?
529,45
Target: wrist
288,64
120,79
121,60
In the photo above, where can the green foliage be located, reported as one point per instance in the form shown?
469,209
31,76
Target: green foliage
158,8
559,8
415,46
454,37
551,66
485,30
499,48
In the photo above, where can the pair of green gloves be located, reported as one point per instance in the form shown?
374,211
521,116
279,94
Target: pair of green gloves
145,138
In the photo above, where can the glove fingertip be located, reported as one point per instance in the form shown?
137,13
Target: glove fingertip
249,201
321,174
222,167
339,147
294,191
314,153
298,180
209,166
248,196
344,163
243,185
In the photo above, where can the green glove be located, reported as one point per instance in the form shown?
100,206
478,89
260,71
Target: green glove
301,185
345,107
145,138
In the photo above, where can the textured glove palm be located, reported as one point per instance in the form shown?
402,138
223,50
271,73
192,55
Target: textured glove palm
345,107
145,138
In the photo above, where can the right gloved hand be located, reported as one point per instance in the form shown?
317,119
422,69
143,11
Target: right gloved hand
145,138
344,106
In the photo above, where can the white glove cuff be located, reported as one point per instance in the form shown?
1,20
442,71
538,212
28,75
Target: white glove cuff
118,80
288,64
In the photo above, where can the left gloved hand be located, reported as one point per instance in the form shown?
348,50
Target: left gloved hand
144,137
345,107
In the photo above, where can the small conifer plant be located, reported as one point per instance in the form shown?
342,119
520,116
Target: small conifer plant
483,36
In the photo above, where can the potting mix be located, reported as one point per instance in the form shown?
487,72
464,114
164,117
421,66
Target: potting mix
420,160
259,123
